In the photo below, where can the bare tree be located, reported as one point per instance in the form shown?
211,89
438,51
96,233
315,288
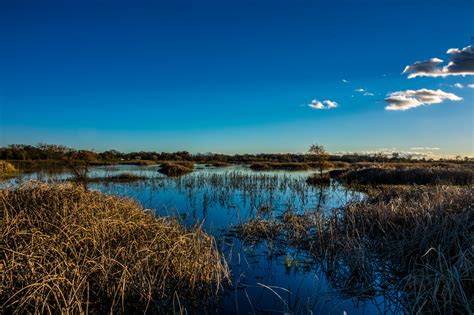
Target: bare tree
321,155
79,162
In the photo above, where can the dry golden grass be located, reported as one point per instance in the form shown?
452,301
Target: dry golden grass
6,169
67,250
415,243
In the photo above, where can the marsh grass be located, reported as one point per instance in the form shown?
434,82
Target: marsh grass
268,166
67,250
219,164
176,168
412,244
123,177
319,179
6,169
405,176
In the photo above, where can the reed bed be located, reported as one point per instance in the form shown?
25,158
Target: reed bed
123,177
218,164
67,250
406,176
414,245
251,190
268,166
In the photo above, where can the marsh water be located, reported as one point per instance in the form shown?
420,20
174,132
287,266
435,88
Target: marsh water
266,278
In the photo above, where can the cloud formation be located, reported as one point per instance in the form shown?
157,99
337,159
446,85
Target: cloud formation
404,100
424,148
326,104
459,85
461,62
364,92
470,86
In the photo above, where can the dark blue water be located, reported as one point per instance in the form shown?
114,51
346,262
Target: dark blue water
266,277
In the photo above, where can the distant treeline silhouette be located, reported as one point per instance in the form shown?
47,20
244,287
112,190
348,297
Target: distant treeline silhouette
22,152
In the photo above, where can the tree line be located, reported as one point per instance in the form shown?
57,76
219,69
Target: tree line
23,152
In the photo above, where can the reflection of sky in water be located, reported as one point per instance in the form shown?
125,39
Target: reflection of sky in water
218,198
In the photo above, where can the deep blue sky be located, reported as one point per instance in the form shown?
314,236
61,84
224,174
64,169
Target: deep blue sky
229,76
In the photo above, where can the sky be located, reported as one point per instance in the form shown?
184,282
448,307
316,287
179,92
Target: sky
239,76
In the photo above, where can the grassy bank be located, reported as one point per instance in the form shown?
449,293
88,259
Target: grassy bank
67,250
413,241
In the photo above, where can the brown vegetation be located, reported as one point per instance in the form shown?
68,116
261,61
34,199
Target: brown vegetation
268,166
6,169
317,179
67,250
123,177
407,176
411,240
176,168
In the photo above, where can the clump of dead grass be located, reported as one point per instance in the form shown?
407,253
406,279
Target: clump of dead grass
67,250
6,169
178,168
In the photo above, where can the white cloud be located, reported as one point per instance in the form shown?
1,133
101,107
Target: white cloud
345,81
404,100
330,104
425,148
470,86
364,92
326,104
461,62
459,85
